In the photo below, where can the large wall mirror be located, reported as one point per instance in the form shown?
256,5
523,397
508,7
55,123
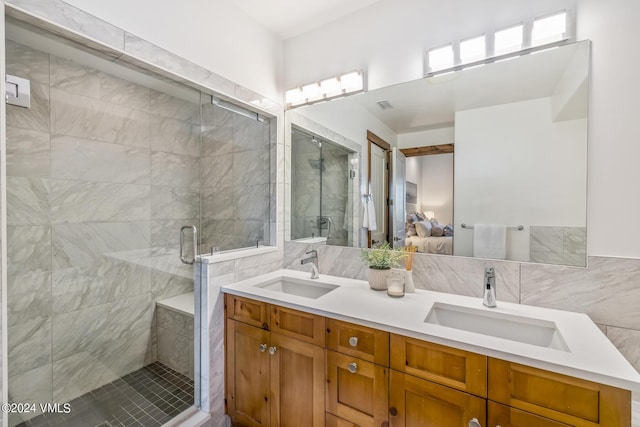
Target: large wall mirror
496,157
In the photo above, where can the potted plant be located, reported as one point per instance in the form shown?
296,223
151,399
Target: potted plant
381,259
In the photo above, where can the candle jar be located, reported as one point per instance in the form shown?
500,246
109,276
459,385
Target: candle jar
395,282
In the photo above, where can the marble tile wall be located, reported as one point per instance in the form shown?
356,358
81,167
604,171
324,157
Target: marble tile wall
235,176
309,197
175,340
558,245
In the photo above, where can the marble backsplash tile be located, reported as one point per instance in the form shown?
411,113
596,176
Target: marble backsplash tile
30,296
608,290
95,327
28,153
28,249
175,136
175,170
25,62
29,345
93,119
27,201
85,160
78,201
216,171
86,244
172,203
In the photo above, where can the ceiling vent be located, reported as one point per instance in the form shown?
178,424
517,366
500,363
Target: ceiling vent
384,104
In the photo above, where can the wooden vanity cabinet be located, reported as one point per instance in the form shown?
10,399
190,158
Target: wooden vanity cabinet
279,373
557,397
273,378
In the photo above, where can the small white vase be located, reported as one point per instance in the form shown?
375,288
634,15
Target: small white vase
378,279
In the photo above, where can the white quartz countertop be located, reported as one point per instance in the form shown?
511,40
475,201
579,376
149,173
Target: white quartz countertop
590,354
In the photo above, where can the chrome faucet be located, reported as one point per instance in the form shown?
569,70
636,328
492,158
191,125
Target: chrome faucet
489,296
313,259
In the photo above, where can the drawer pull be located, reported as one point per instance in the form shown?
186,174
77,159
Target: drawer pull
272,350
353,341
352,367
263,348
474,423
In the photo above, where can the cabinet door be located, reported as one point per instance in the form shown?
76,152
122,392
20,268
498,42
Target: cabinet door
414,402
504,416
359,341
298,324
247,375
444,365
297,383
357,390
558,397
333,421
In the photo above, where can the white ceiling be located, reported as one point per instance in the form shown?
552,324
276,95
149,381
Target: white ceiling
290,18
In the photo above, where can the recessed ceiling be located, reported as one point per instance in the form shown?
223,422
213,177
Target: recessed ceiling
290,18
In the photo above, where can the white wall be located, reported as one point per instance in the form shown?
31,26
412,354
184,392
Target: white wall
414,174
514,166
388,40
614,108
211,33
436,187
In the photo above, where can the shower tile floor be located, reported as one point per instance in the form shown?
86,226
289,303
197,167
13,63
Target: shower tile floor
148,397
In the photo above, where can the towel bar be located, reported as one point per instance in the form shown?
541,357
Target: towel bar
518,228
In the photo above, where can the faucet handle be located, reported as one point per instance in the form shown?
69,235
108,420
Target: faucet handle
489,271
313,253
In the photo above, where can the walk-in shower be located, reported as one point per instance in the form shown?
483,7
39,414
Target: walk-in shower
321,195
104,168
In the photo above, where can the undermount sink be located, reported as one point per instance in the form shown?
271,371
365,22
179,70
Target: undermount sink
298,287
539,332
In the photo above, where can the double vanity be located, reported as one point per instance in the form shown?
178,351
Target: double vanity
332,352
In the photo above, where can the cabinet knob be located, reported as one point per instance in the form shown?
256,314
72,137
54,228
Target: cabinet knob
272,350
474,423
352,367
263,348
393,411
353,341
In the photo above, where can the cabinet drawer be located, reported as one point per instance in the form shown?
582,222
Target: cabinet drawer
359,341
357,390
559,397
247,311
444,365
417,402
504,416
333,421
298,324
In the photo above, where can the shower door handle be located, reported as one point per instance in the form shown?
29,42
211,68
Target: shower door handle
195,241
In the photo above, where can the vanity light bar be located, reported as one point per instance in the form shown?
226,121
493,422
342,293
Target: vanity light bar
332,87
542,32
